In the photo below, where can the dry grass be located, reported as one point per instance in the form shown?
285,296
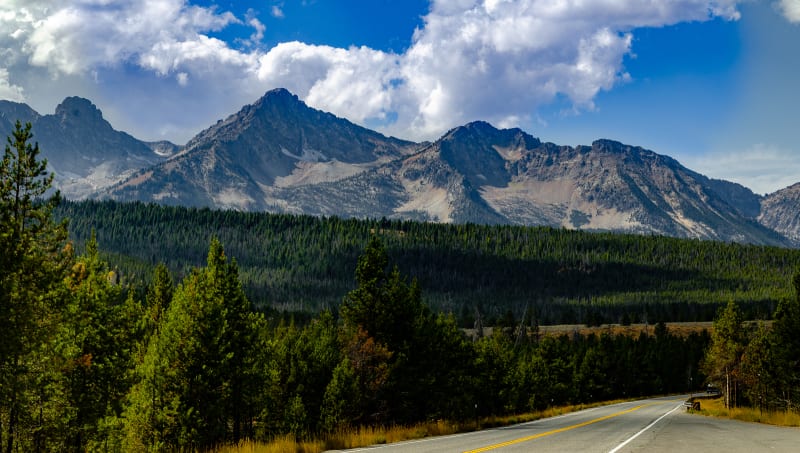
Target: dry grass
716,408
366,436
676,328
682,329
283,444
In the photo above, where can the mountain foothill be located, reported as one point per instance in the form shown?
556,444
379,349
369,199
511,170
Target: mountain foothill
280,155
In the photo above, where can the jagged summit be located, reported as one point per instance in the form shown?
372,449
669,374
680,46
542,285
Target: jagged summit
278,94
274,143
277,100
280,155
82,149
78,108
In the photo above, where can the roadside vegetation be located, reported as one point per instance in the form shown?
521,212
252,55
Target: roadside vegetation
716,408
757,366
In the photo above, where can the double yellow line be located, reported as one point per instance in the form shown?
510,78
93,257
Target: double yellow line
556,431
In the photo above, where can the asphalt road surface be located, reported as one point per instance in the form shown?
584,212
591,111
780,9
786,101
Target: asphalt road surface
652,425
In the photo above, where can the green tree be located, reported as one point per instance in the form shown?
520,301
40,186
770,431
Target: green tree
390,313
724,356
100,328
32,263
341,401
159,295
758,369
383,304
192,390
785,348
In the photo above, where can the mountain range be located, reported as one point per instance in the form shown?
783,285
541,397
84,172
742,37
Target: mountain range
279,155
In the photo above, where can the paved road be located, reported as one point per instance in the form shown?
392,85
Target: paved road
653,425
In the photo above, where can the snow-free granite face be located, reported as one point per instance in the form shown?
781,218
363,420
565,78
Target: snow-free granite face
279,155
82,149
780,211
243,161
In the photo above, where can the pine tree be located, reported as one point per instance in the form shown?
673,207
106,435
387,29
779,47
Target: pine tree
785,348
32,263
383,304
341,403
192,385
724,357
100,325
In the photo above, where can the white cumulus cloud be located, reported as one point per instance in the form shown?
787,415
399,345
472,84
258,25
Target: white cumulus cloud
497,60
76,37
9,91
494,60
790,10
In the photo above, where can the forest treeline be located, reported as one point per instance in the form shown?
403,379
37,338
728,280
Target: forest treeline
92,359
557,276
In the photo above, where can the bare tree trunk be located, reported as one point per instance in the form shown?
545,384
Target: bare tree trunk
727,389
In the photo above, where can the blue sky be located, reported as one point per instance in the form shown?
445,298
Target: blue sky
711,83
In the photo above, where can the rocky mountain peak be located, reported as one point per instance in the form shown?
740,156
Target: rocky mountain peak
478,127
490,136
278,102
279,94
278,114
74,109
84,151
779,212
635,155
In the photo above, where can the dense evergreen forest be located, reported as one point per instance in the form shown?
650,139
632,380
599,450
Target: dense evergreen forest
92,359
557,276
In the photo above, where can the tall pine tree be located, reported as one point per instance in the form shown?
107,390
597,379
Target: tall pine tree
724,358
786,349
32,263
194,383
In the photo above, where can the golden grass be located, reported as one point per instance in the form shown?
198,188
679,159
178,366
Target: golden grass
682,329
365,436
716,408
283,444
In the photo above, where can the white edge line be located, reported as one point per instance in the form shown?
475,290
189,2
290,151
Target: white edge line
619,447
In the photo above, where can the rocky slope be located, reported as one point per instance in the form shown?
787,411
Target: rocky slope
780,211
83,150
477,173
11,112
280,155
275,143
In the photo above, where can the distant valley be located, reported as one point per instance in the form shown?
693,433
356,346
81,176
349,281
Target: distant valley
279,155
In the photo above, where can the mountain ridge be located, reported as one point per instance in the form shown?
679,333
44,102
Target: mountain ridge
280,155
83,150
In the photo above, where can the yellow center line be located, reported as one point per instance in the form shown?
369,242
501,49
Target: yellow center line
556,431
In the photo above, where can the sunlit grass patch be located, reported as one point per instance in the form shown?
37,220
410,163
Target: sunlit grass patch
716,408
282,444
